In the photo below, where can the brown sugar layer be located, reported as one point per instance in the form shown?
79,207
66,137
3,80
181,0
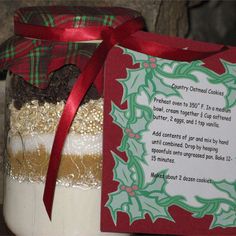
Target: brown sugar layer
75,170
32,118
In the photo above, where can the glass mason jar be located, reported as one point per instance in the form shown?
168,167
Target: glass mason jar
40,76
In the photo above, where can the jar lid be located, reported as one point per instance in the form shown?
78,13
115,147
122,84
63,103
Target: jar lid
35,58
74,16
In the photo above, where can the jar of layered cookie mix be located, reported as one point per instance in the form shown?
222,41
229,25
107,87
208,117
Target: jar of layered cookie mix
41,73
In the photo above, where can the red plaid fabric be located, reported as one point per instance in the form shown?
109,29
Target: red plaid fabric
35,59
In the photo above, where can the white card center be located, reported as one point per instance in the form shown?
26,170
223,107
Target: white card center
192,138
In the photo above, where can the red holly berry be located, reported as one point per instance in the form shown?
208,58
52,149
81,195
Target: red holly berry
135,187
131,194
129,189
131,135
153,65
128,130
122,187
145,64
152,59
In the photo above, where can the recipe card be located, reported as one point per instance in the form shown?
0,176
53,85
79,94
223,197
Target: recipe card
169,145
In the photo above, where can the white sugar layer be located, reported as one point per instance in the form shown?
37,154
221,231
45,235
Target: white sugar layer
75,144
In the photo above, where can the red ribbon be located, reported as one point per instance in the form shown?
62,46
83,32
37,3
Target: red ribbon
122,36
59,34
84,81
167,52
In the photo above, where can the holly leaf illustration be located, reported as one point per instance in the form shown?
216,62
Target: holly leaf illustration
136,56
158,184
224,219
150,206
231,83
162,88
123,143
230,68
141,57
117,200
135,80
206,210
140,125
230,97
156,188
177,70
134,211
209,207
229,80
118,116
229,188
136,148
149,89
166,64
121,172
186,69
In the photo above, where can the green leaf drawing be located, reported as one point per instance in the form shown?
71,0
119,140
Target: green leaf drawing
121,172
158,184
155,211
225,186
149,89
123,143
141,58
230,83
224,219
230,98
208,207
230,68
116,202
156,188
177,70
136,56
134,211
140,125
118,116
186,69
131,85
165,89
137,148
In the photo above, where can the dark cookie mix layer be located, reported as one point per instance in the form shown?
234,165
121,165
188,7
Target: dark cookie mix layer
59,88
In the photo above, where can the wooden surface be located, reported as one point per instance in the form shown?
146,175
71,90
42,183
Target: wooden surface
4,231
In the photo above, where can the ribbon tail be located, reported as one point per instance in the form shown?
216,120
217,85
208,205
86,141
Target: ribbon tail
70,109
84,81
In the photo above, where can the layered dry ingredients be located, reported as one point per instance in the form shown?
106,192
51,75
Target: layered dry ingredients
33,118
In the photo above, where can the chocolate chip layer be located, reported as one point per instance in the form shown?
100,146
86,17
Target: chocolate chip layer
59,88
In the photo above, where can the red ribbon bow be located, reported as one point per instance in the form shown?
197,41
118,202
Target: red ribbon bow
121,35
84,81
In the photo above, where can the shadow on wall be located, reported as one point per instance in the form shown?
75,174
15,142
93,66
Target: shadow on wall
213,21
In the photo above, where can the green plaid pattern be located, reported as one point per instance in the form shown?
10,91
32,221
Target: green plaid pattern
73,16
34,60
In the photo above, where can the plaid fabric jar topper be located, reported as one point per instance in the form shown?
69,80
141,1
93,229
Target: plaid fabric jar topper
34,59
